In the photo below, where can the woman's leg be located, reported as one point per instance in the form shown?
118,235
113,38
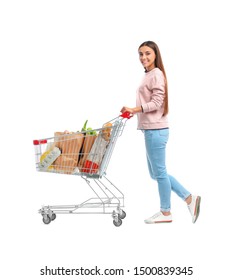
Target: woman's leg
155,141
178,188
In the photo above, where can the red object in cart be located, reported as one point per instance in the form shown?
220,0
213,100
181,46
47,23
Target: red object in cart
90,167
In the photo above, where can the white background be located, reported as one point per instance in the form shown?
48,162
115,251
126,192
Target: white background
63,62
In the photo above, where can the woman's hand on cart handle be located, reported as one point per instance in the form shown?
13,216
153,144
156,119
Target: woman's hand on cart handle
126,111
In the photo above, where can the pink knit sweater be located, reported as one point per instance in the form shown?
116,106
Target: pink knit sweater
150,95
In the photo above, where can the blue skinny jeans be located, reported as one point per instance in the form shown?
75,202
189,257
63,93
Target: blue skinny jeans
155,141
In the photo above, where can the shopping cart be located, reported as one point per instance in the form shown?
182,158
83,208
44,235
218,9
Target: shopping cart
87,154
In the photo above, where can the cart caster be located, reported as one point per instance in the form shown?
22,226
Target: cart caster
53,217
122,214
46,219
117,222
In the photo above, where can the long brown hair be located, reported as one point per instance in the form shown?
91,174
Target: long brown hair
158,63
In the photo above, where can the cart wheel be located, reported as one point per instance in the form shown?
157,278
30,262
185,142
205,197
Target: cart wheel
46,219
117,222
122,214
53,217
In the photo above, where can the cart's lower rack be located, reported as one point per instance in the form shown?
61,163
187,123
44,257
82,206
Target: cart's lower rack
110,202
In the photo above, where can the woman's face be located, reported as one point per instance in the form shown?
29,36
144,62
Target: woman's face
147,57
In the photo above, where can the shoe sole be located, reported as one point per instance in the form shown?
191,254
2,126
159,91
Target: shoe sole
161,222
197,209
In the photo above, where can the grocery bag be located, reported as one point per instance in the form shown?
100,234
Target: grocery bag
95,156
86,148
70,145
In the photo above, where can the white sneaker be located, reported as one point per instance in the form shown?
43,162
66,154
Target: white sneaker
194,207
159,218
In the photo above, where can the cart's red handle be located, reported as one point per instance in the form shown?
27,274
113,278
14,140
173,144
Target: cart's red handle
126,115
38,142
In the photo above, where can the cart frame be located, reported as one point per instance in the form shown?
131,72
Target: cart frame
108,199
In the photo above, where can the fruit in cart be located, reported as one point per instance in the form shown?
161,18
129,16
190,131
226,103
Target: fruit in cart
84,128
88,130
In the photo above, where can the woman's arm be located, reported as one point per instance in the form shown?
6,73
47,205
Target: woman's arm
133,111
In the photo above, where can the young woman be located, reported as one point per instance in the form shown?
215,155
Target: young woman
152,109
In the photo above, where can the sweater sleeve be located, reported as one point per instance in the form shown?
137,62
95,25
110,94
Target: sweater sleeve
157,90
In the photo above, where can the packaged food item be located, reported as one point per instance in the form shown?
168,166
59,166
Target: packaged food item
106,132
48,157
95,156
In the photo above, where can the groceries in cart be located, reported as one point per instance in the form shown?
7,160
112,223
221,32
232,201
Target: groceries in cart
86,153
97,151
74,152
48,157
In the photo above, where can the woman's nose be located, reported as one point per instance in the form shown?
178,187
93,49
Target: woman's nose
143,56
